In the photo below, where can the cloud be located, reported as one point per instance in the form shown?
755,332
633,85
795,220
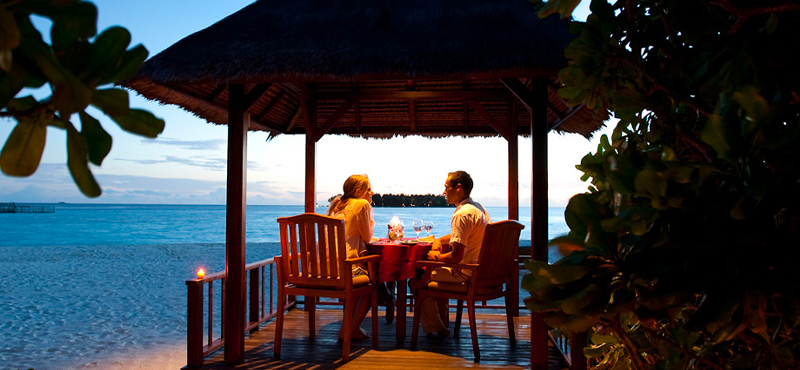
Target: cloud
213,144
214,164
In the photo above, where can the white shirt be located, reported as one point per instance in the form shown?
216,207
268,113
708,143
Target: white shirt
467,226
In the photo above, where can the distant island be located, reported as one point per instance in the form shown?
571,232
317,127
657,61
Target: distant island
407,200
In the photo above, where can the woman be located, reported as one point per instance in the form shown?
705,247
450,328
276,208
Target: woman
354,206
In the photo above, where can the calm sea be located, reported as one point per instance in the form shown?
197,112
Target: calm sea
135,224
91,285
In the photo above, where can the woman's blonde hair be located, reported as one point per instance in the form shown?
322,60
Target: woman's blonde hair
355,187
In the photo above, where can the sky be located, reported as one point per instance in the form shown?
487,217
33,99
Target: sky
186,164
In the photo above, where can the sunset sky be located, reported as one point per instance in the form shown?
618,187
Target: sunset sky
186,164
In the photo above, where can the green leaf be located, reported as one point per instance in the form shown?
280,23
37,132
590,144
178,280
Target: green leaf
22,104
23,149
108,49
98,141
11,83
130,63
9,38
140,122
596,350
628,102
113,102
649,184
78,166
755,105
70,95
563,7
572,324
79,19
715,134
9,33
575,304
558,274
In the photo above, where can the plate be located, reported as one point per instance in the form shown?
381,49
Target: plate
409,242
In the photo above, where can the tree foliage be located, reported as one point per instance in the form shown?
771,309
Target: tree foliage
406,200
409,200
683,252
80,67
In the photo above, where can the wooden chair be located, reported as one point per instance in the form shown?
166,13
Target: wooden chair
313,263
491,278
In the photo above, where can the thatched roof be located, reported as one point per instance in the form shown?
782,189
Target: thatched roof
372,68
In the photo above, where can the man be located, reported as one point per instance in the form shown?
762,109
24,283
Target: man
467,226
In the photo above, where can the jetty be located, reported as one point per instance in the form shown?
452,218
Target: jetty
14,208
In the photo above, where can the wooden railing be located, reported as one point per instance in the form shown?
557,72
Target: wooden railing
262,307
201,338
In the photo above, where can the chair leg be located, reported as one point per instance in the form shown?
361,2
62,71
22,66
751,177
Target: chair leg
347,332
311,303
459,309
419,296
473,328
374,297
510,310
276,350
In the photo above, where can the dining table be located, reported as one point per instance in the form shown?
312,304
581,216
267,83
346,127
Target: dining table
395,268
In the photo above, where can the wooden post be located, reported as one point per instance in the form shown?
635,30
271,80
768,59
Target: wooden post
539,212
194,323
311,152
311,178
235,294
255,295
577,358
513,191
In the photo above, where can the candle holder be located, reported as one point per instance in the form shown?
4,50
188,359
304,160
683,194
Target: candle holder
395,229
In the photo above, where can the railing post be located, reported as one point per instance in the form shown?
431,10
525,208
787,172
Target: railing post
577,358
255,291
194,323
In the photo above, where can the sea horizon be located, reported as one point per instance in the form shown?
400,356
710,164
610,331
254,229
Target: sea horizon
96,285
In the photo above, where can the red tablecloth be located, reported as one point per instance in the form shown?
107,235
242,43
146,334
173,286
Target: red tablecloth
397,265
397,260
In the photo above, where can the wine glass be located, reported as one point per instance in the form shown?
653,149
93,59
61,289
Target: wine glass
417,227
428,225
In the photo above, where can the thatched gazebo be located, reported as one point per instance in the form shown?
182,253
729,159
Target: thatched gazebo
372,69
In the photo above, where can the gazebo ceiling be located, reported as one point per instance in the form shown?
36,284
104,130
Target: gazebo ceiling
374,68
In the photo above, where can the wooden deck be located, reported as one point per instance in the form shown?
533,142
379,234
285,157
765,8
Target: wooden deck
299,352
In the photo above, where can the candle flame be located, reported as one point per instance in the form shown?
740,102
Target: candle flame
201,273
395,221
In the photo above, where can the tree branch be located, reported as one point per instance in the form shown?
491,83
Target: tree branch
632,348
680,348
743,15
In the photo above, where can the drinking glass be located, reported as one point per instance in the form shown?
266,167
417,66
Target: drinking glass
417,227
428,225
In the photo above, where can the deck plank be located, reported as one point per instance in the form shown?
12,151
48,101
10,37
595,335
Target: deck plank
298,352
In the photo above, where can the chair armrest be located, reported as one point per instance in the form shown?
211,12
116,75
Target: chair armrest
432,264
370,258
435,264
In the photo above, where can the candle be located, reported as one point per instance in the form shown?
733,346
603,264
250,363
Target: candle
201,273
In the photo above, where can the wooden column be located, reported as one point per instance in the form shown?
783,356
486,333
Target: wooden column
311,153
513,188
235,280
539,213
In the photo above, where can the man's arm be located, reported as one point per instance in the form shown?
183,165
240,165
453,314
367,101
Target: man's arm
454,256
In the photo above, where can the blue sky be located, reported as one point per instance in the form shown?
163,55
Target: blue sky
186,164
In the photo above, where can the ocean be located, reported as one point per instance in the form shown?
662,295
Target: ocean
102,285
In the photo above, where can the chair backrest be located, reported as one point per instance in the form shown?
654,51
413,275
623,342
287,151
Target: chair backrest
314,250
499,250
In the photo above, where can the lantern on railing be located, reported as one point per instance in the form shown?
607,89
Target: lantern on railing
201,274
396,228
